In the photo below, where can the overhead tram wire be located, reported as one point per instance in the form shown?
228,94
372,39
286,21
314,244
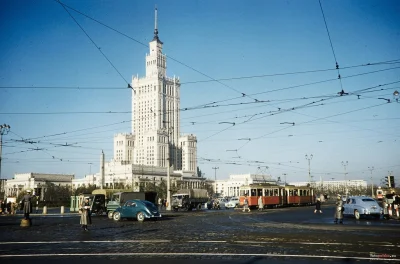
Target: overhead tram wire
94,43
330,41
291,109
184,64
396,61
288,88
287,100
321,118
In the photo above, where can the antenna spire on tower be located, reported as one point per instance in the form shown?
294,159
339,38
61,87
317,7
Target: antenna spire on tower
155,22
156,26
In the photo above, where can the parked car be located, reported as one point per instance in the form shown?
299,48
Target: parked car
217,204
233,202
139,209
358,206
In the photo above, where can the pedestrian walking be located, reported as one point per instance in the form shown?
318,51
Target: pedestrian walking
26,204
160,203
318,206
246,204
85,214
2,207
14,207
9,207
339,210
260,204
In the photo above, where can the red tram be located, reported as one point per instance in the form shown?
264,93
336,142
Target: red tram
275,195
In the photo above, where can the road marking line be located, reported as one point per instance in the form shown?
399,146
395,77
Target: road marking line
205,241
119,254
89,241
189,241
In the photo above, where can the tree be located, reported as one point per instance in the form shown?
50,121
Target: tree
84,189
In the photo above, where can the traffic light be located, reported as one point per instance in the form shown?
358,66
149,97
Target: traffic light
390,181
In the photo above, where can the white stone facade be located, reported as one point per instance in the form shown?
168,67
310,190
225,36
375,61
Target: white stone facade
155,112
230,187
123,147
188,153
36,182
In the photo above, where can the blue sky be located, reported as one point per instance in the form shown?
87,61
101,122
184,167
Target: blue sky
43,47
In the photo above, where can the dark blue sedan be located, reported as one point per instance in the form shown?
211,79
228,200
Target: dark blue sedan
139,209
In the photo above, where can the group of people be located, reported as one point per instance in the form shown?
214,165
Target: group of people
162,203
8,208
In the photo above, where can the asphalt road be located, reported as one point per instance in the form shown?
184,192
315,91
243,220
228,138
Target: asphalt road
284,235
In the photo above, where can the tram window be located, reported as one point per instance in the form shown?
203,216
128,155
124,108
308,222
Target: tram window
276,192
253,192
266,192
242,192
259,192
301,192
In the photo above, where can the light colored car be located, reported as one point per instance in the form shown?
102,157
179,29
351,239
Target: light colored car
358,206
233,202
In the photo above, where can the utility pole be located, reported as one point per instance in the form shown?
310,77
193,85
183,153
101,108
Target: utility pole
4,129
284,177
344,164
168,176
215,176
309,158
372,183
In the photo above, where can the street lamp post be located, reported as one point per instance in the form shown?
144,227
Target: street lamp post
344,164
372,183
168,175
309,158
215,176
4,129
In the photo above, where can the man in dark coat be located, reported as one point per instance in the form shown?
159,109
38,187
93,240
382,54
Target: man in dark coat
27,204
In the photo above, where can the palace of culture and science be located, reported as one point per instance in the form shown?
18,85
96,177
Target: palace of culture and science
155,141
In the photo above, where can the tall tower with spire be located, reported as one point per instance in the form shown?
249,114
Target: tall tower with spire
155,112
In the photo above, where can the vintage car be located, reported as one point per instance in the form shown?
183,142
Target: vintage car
233,202
358,206
139,209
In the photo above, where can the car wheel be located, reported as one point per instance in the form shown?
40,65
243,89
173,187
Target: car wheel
140,217
356,214
110,214
199,207
117,216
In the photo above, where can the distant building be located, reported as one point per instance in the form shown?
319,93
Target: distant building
230,187
36,182
335,185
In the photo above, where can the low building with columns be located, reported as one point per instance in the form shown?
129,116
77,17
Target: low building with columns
36,182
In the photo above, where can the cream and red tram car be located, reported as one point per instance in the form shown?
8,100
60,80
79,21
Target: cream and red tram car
274,195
